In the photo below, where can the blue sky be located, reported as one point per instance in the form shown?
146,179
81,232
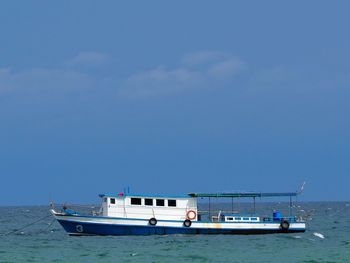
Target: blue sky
173,98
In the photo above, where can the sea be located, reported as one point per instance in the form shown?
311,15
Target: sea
30,234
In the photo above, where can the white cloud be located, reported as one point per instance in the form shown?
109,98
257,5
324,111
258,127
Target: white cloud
4,75
160,81
62,79
198,71
226,68
4,71
42,80
88,59
203,57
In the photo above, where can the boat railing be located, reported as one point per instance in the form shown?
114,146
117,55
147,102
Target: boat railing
291,219
94,210
218,216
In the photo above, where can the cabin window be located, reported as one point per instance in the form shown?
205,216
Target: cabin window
253,219
237,218
171,202
160,202
229,218
112,200
148,201
246,218
136,201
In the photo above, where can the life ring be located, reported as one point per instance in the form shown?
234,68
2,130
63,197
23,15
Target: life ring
152,221
187,223
191,214
284,225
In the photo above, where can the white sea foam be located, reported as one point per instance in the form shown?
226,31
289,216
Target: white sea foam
318,235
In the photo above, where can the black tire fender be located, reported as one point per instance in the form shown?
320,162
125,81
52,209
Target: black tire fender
284,225
152,221
187,223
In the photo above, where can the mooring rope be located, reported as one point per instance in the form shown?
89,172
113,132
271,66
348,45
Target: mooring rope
48,226
25,226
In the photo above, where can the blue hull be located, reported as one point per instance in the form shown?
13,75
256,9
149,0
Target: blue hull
83,228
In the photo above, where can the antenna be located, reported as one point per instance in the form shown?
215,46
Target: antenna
302,187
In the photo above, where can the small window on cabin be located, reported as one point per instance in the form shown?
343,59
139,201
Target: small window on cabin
148,201
237,218
171,202
246,218
136,201
112,200
253,219
229,219
160,202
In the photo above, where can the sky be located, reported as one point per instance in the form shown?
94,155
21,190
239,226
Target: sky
173,97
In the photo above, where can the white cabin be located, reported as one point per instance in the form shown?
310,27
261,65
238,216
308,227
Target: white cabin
150,206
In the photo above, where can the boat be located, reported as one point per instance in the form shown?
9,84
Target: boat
143,214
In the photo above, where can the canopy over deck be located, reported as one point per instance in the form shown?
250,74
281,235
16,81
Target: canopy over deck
243,194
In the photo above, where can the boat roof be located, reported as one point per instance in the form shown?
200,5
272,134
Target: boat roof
216,195
146,195
243,194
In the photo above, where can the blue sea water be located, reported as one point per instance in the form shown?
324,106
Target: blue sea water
327,239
